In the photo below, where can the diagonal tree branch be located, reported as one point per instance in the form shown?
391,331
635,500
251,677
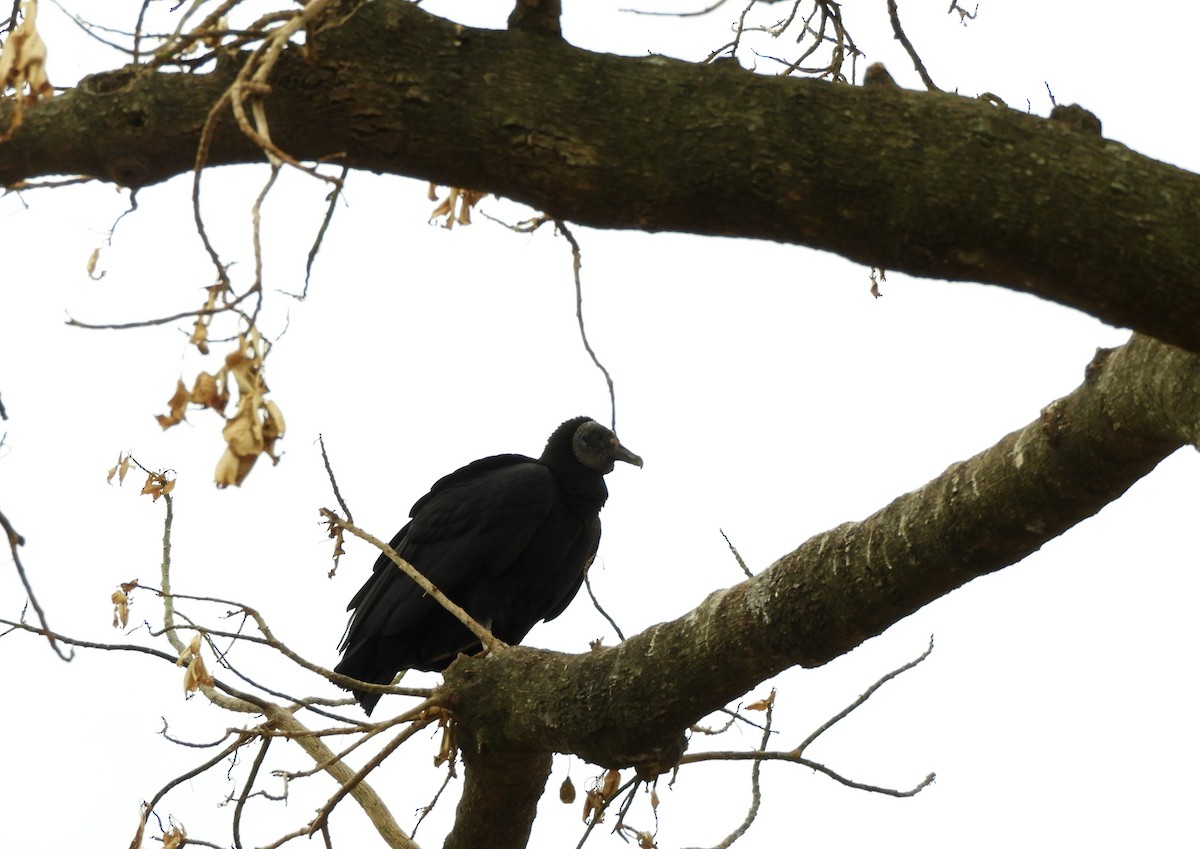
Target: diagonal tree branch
1137,404
931,184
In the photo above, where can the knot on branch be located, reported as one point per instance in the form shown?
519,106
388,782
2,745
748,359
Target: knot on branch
1078,119
539,17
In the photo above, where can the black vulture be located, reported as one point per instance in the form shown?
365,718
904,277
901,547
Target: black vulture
507,538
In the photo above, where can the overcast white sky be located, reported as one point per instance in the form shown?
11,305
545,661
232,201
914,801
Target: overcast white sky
768,392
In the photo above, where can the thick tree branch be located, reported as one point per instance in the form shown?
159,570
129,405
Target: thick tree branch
499,800
926,183
628,705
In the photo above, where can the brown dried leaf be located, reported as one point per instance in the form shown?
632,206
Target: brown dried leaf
157,484
208,392
243,432
175,838
336,534
762,704
612,780
199,336
177,406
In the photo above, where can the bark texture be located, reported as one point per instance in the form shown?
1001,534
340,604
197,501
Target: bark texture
930,184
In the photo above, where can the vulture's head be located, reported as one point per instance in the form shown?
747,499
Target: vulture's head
597,448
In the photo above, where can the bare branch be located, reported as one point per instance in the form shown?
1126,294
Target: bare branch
333,480
259,757
15,540
859,701
894,15
587,582
576,264
755,792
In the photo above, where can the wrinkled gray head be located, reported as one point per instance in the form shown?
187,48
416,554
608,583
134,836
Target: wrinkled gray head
598,448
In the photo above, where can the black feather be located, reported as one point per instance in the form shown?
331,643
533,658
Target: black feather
507,538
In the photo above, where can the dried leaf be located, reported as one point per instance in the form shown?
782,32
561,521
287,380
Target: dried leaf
243,432
208,392
762,704
566,792
654,798
120,609
177,406
157,484
137,838
23,59
232,469
193,648
124,461
612,780
593,805
91,266
196,675
199,336
456,208
175,838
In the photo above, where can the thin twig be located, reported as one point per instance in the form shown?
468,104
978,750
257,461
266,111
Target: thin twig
244,737
755,791
587,582
323,814
736,556
151,322
337,493
857,702
693,14
250,779
269,639
490,642
792,757
898,31
428,809
15,540
334,196
577,263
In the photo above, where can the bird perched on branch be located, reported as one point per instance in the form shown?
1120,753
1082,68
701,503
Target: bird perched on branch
507,538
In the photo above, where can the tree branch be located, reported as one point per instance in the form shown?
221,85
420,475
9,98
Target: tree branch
930,184
1136,405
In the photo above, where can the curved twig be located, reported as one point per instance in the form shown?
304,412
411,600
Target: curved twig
576,264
